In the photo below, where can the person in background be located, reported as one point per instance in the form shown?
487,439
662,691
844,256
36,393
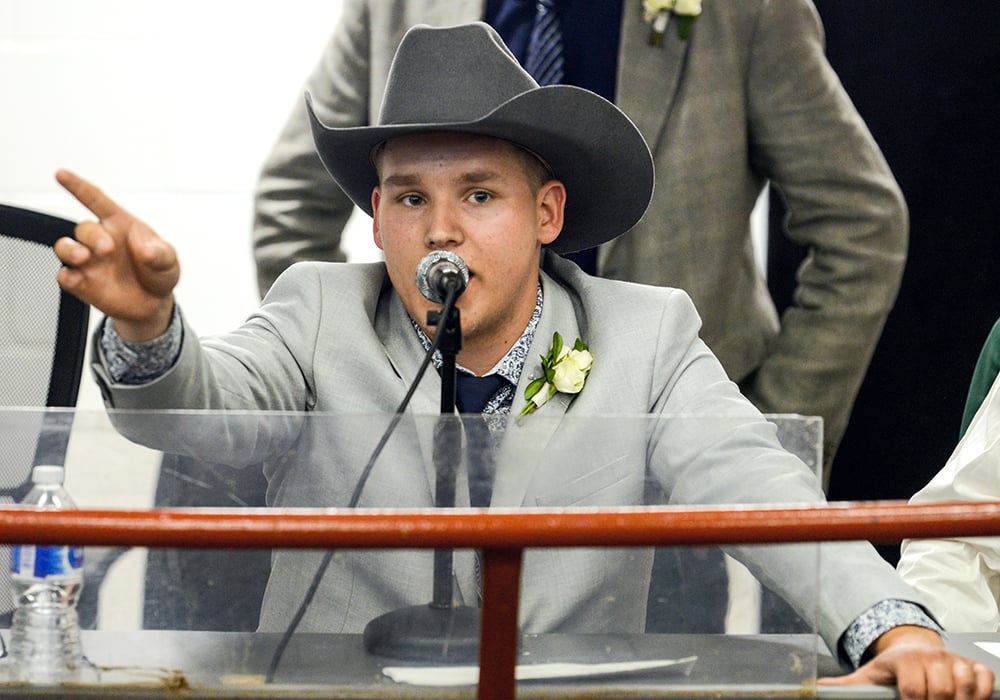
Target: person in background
504,177
730,96
960,576
987,368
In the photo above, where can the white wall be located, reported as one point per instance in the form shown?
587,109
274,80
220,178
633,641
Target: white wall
170,107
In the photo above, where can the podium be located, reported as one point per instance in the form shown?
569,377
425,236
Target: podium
325,655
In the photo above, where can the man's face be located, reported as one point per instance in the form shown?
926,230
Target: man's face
479,198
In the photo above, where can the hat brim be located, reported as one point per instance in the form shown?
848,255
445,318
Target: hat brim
591,146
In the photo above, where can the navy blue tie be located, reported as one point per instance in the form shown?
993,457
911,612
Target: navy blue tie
545,58
473,393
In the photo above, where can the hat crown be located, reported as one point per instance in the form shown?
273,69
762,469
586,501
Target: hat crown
470,65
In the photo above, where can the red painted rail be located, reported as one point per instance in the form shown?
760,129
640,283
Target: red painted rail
879,522
501,534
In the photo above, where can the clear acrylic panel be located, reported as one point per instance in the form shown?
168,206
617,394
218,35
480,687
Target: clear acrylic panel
668,619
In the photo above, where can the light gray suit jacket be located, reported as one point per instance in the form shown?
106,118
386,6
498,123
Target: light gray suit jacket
748,98
334,339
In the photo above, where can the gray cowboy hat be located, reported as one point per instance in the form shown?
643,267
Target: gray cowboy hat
464,79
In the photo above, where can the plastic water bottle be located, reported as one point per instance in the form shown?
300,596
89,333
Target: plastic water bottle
45,632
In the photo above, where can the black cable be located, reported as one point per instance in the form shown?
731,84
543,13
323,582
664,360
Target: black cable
449,303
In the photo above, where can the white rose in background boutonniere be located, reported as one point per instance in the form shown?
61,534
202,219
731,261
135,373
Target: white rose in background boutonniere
564,370
657,13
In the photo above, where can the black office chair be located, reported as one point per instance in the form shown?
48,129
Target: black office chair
43,335
44,329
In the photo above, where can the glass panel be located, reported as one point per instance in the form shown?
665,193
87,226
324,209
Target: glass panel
216,617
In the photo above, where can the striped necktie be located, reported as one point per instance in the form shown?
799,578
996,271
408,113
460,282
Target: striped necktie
545,60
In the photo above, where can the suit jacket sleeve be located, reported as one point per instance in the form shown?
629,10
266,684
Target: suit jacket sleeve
844,206
831,583
265,365
299,211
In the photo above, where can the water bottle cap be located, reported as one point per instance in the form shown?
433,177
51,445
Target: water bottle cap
48,474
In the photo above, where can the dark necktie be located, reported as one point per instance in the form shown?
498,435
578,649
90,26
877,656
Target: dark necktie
472,394
544,59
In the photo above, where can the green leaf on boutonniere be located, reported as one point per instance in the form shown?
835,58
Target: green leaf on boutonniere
684,23
557,345
534,387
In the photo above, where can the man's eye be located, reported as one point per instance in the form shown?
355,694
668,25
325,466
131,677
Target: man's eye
412,200
480,197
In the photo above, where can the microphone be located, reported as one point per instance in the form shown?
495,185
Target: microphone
441,272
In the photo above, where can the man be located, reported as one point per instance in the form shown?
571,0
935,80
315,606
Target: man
747,98
471,156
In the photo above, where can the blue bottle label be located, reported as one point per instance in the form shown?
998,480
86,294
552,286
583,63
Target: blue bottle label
48,561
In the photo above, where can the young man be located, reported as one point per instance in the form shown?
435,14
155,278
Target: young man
470,156
748,97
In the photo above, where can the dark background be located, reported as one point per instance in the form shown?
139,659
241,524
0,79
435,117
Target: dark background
925,76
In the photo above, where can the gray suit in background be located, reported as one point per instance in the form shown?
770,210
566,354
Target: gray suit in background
748,98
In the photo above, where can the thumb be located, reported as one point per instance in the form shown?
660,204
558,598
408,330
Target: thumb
868,674
156,264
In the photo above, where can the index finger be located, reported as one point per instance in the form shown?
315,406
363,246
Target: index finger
88,194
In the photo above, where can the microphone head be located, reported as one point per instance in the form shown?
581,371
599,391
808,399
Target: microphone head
440,271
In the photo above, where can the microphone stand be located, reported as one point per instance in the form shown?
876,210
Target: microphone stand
440,630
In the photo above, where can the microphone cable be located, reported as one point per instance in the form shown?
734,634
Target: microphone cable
449,304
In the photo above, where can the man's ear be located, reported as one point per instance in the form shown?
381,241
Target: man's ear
376,234
551,206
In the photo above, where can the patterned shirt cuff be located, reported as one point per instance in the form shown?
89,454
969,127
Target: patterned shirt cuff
876,621
141,363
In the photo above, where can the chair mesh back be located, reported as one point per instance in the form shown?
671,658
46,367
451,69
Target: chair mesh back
29,314
42,338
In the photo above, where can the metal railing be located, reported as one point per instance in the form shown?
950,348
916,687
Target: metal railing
502,535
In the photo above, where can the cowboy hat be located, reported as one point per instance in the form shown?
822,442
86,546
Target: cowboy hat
464,79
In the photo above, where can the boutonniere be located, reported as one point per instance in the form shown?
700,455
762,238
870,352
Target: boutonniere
657,13
564,370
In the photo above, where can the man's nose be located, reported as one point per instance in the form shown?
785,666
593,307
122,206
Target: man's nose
444,229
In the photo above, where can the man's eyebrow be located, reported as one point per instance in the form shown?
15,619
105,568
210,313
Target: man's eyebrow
400,181
412,180
479,176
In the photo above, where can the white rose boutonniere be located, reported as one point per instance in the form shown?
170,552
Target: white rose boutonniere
657,14
564,370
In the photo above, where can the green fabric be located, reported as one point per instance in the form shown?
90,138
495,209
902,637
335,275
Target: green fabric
986,371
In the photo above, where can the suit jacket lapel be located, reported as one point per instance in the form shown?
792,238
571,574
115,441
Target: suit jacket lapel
525,440
647,75
405,353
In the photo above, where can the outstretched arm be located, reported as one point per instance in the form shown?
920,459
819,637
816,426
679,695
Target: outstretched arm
118,264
